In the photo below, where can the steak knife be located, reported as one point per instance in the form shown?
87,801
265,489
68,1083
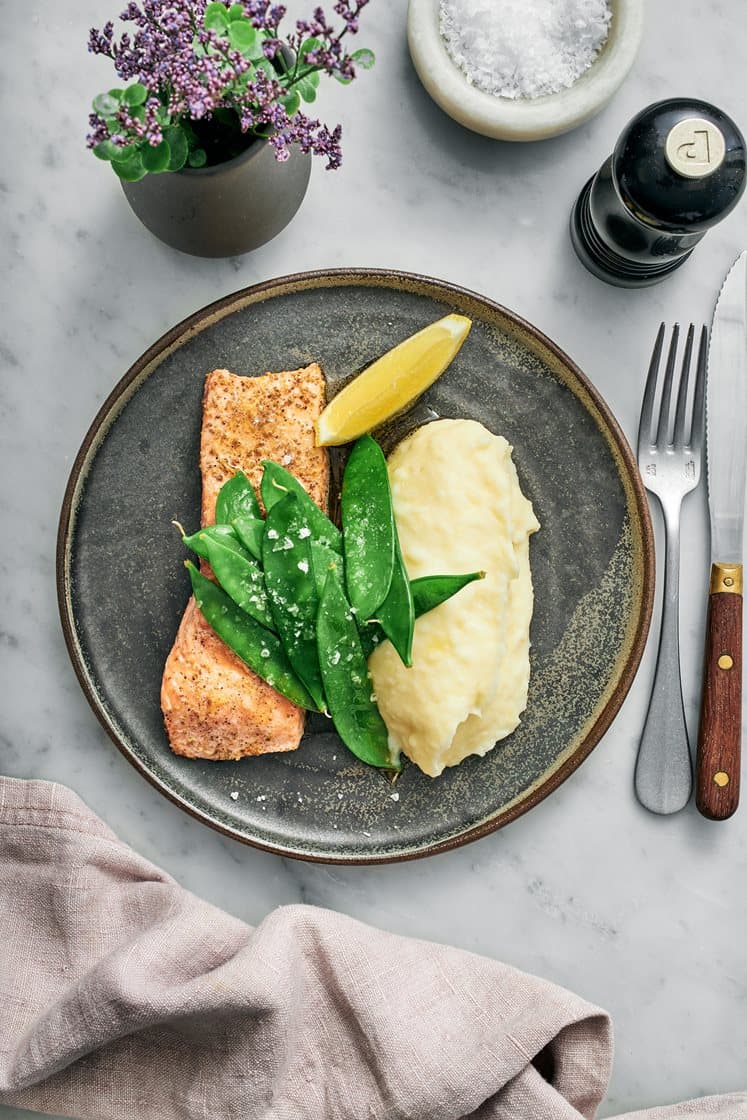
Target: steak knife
719,736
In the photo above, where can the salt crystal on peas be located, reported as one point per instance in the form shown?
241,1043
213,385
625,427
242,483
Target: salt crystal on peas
276,482
241,578
368,527
248,639
236,498
287,581
346,684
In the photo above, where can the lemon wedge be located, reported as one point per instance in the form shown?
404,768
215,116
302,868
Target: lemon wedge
392,382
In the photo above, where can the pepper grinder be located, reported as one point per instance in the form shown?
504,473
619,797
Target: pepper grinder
677,169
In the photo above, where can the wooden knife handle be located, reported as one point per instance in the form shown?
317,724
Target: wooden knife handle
720,735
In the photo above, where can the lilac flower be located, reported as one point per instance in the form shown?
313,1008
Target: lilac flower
190,71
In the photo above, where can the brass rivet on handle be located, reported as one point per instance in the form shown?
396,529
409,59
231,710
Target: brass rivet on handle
726,579
721,779
725,662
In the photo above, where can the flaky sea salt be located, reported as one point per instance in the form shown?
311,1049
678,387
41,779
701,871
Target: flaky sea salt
515,49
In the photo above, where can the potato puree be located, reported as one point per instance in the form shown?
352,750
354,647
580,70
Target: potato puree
459,509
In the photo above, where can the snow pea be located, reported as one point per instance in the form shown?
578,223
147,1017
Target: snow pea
241,578
276,482
346,682
291,588
257,647
236,498
250,530
367,527
198,542
323,558
430,591
397,613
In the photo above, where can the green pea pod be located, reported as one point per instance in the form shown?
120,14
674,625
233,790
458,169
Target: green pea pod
241,577
397,613
430,591
257,647
276,482
236,498
323,558
367,527
291,588
346,682
371,635
198,542
427,592
250,530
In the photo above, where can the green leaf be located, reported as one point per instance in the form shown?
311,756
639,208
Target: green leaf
292,102
364,58
156,159
108,151
163,116
105,150
130,170
136,94
117,94
216,18
105,105
178,147
137,112
343,81
197,158
236,11
123,154
242,36
307,88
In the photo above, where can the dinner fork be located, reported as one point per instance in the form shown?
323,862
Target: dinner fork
670,445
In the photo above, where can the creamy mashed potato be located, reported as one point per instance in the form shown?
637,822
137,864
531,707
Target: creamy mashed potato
459,508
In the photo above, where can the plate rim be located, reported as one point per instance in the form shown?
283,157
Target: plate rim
349,276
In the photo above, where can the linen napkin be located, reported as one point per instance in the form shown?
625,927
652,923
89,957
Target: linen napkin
123,995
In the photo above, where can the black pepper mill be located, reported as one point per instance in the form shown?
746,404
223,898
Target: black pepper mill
677,169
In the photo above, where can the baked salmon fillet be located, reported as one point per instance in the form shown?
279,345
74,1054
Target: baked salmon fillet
213,705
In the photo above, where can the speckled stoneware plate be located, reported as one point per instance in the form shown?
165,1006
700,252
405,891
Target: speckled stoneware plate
122,586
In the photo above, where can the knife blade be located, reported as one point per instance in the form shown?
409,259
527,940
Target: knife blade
719,737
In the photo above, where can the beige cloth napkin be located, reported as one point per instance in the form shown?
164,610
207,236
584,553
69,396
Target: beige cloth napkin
124,996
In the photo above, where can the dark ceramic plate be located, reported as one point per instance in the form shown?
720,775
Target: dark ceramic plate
122,587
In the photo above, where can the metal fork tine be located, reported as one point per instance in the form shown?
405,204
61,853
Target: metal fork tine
666,394
680,415
697,428
663,772
645,426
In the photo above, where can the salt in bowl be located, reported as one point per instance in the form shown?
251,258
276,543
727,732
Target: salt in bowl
523,118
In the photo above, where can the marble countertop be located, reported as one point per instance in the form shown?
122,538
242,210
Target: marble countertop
646,916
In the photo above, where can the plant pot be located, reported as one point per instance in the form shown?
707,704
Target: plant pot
224,210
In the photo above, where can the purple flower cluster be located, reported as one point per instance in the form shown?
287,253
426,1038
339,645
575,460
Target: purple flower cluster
189,71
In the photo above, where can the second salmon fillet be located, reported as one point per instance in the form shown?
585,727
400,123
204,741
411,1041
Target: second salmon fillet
213,705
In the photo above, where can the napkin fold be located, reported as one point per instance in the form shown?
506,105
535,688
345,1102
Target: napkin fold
123,995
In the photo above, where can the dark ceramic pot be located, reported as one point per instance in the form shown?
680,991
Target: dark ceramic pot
224,210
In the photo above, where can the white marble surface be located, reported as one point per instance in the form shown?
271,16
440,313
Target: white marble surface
645,916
